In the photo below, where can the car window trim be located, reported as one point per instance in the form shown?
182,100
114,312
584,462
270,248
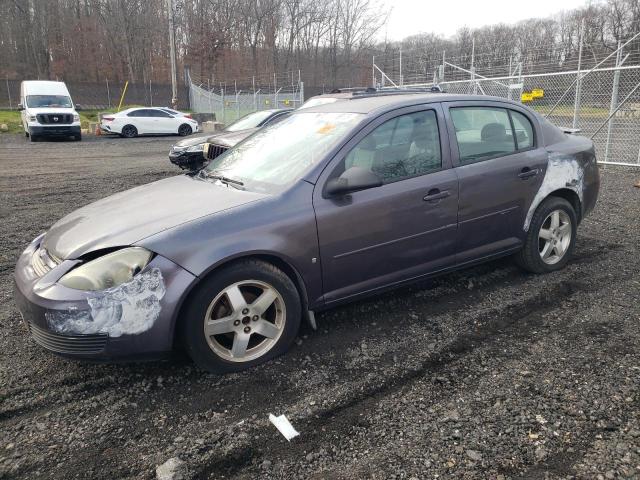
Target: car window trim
453,139
368,127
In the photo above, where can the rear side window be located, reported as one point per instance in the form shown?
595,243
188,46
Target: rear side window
403,147
523,130
482,133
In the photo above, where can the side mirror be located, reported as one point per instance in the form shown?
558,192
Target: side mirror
78,107
20,107
353,180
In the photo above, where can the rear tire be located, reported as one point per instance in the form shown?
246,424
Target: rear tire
227,305
129,131
77,138
551,238
33,138
184,130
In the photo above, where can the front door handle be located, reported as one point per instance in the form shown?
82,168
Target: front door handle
527,172
435,194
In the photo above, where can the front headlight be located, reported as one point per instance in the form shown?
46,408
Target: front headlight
76,118
196,148
108,271
32,118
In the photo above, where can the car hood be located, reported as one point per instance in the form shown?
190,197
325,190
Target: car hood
39,110
191,141
230,139
127,217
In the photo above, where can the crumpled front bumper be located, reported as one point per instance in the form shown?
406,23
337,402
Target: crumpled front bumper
136,319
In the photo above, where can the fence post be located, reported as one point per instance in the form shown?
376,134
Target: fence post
238,104
224,106
576,103
9,94
108,93
301,93
401,82
614,100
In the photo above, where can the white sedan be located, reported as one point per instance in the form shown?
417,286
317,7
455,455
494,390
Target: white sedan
148,120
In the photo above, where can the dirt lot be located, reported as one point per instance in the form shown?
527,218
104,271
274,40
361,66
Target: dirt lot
486,373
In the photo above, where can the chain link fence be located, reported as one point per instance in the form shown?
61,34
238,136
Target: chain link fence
104,95
599,96
581,101
230,102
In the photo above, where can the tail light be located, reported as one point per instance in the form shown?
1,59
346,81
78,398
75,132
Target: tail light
188,115
107,119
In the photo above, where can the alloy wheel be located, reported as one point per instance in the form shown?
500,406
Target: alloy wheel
554,237
244,321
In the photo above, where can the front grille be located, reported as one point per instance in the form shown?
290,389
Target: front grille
68,344
55,118
214,151
42,261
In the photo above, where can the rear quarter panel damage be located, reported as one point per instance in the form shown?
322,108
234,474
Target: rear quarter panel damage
571,166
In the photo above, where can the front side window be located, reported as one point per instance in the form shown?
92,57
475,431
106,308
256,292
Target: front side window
403,147
280,154
482,133
48,101
159,113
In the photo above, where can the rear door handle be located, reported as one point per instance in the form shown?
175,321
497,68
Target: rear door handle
435,194
527,172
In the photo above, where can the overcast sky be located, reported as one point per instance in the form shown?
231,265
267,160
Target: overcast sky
444,17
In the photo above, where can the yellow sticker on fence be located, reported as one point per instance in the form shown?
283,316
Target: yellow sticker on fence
267,102
526,97
287,102
537,93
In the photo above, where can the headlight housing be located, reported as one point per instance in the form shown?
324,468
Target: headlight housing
32,118
76,118
109,270
196,148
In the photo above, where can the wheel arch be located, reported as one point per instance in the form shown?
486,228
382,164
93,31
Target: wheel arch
267,257
572,197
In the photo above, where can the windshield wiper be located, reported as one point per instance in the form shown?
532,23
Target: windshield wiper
223,179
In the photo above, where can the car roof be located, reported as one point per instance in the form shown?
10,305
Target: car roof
376,102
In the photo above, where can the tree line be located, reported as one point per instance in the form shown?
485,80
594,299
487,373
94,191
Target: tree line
330,41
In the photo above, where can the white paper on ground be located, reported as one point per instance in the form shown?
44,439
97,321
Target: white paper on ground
284,426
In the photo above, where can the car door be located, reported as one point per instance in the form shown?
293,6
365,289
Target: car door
500,163
163,122
141,119
402,229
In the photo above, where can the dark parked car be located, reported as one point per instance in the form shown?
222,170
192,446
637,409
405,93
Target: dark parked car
334,203
188,154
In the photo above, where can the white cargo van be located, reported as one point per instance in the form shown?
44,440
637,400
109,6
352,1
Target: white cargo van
48,111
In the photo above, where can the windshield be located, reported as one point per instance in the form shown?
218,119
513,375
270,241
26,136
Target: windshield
314,102
248,121
278,155
43,101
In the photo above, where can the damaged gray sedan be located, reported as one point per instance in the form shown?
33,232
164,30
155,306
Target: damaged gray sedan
336,202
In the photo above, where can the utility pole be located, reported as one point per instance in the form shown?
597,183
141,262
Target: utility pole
172,50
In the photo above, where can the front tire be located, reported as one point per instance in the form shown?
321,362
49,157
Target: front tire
184,130
551,238
241,316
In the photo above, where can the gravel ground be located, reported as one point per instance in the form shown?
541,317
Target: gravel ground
485,373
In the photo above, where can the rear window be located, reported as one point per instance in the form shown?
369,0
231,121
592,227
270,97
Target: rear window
482,133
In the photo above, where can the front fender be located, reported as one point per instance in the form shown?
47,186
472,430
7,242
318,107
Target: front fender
281,226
